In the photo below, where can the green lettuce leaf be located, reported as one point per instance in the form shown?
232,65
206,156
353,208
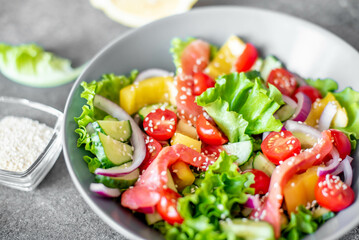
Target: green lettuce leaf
219,196
109,86
303,223
349,99
178,45
31,65
323,85
241,105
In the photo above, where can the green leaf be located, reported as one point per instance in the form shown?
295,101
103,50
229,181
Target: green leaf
109,86
240,105
349,99
323,85
31,65
219,195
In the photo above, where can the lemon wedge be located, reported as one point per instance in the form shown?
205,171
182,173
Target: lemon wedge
135,13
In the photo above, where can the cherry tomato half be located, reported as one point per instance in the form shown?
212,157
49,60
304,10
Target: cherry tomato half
278,146
209,133
247,58
160,124
341,142
167,206
201,82
332,193
310,91
153,148
283,80
261,179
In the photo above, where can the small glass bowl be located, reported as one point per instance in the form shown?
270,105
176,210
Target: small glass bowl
30,178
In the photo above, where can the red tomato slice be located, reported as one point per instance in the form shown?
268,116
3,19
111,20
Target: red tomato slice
187,109
262,181
310,91
212,150
247,58
270,210
209,133
283,80
341,142
201,83
167,206
160,124
153,148
195,57
333,194
279,146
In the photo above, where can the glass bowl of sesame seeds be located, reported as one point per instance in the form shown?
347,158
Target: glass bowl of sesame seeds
30,140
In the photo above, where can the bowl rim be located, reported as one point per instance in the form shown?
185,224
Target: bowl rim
55,135
199,10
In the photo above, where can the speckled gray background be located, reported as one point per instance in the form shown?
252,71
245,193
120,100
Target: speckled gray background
75,30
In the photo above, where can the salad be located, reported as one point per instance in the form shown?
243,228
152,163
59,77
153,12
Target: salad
230,146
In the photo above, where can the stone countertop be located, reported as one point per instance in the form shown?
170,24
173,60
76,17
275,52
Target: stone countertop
75,30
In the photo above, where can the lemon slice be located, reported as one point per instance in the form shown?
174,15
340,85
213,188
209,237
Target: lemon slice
226,57
134,13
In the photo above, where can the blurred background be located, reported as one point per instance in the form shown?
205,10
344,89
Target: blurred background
77,31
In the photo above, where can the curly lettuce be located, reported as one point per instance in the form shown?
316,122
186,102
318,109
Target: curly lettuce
31,65
219,196
242,106
109,86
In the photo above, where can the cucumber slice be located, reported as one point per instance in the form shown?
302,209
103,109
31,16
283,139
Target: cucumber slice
248,165
270,63
118,130
285,112
262,163
248,229
243,150
109,151
306,140
122,182
143,112
152,218
257,65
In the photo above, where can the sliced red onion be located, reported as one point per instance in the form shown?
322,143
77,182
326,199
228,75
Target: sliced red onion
345,167
327,116
137,139
89,128
152,72
294,126
147,210
332,164
301,81
102,190
303,107
253,202
289,101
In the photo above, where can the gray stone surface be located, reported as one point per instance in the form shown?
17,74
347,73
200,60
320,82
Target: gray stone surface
75,30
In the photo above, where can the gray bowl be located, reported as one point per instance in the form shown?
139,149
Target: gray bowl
305,49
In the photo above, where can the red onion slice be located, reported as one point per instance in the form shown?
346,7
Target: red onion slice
301,81
294,126
289,101
265,134
303,108
152,72
327,116
345,167
253,202
102,190
332,164
137,139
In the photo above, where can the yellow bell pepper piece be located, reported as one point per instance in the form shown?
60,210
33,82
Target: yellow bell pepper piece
182,175
184,128
340,119
226,57
300,189
149,91
179,138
